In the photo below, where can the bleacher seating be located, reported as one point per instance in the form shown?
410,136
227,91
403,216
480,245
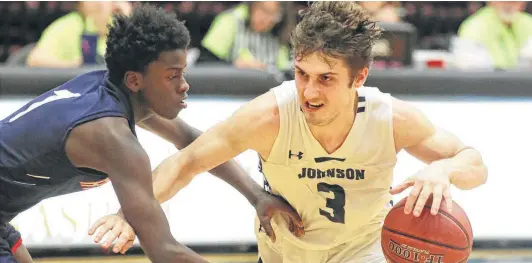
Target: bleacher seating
22,23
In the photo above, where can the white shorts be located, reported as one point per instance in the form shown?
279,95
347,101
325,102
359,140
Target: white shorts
283,251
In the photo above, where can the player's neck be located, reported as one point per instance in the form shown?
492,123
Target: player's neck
333,135
139,109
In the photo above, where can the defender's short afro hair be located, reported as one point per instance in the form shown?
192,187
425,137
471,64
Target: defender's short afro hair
134,42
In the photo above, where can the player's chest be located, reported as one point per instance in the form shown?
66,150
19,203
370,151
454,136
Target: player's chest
329,170
307,150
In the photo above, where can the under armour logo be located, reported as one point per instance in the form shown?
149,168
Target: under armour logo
299,155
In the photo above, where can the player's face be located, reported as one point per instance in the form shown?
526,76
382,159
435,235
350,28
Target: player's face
325,88
164,85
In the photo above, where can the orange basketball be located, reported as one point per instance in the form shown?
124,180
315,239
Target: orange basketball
443,238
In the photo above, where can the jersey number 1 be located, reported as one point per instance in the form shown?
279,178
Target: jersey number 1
58,95
336,204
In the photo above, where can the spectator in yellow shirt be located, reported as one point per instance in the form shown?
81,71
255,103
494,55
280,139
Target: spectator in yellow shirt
252,35
77,38
496,36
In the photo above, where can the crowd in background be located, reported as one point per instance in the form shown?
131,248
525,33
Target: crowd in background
476,35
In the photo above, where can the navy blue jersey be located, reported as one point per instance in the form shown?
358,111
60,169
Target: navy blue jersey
33,161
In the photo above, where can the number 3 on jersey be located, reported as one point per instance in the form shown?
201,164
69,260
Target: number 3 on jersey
336,204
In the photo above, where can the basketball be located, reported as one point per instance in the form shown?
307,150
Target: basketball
443,238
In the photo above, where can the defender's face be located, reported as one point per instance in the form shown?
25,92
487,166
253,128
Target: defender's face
324,88
164,86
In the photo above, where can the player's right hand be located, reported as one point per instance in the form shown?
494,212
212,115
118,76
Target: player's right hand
114,226
268,204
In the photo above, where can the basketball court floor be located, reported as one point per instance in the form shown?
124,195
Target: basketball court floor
481,256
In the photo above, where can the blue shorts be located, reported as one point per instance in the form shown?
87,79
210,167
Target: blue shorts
10,241
7,259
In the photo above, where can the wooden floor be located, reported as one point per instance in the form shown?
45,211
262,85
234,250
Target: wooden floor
482,256
219,258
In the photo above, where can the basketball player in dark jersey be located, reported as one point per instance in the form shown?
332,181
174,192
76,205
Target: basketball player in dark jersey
82,134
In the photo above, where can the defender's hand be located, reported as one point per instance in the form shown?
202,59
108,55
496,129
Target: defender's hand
266,207
434,179
115,227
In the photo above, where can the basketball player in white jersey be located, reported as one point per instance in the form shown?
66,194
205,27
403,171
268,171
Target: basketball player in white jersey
328,145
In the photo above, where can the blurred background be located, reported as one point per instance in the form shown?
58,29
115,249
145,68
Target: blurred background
467,65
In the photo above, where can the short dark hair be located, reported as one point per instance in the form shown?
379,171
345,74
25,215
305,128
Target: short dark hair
134,42
337,29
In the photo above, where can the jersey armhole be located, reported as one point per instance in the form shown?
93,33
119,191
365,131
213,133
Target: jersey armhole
86,119
374,95
391,136
386,98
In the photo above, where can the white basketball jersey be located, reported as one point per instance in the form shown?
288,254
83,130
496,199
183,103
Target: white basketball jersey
340,196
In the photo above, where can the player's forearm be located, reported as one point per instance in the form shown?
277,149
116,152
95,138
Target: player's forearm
467,170
230,171
233,174
178,254
169,178
164,182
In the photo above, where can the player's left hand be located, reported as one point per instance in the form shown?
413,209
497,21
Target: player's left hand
116,228
433,180
268,204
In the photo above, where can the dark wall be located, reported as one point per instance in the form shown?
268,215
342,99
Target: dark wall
228,81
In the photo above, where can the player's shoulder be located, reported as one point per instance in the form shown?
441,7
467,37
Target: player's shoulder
82,85
267,104
257,120
95,95
70,103
285,94
407,122
374,100
262,110
285,89
371,91
87,79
